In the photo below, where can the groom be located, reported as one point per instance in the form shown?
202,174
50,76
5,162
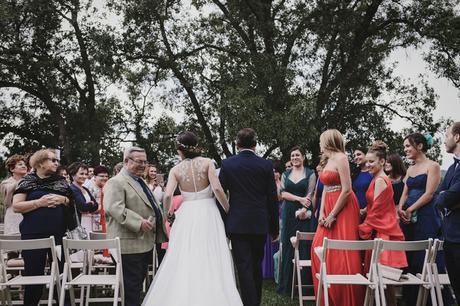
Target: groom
447,200
249,180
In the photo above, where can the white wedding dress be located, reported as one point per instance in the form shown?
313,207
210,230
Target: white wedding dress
197,269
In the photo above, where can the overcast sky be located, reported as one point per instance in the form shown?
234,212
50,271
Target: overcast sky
411,64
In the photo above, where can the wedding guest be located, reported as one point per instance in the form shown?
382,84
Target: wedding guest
151,179
271,247
317,195
396,171
17,169
62,171
42,196
85,202
448,202
297,186
134,216
381,221
361,178
288,165
117,168
150,176
89,182
419,218
338,219
101,176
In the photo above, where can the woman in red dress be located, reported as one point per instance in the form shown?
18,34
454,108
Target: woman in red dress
381,219
338,219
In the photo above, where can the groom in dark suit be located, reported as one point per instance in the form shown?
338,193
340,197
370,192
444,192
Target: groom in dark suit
253,213
447,201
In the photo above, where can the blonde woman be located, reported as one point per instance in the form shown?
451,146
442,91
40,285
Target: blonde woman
338,219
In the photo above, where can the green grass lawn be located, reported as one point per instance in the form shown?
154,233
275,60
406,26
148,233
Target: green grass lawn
271,298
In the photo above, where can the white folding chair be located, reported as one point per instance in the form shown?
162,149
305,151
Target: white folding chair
370,280
440,280
423,279
97,265
299,264
85,278
48,280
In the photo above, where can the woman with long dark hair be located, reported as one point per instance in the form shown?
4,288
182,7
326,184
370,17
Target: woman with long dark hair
396,171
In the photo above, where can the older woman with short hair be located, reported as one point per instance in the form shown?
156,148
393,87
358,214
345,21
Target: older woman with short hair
17,169
42,196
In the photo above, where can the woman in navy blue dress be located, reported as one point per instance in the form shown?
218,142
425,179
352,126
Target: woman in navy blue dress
361,178
419,218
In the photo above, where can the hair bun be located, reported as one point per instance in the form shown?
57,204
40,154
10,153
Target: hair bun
379,146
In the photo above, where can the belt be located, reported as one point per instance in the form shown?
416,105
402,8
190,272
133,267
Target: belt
332,188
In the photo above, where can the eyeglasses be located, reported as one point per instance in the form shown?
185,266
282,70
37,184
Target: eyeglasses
102,175
139,162
53,160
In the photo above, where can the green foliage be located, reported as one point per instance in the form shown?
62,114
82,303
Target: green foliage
92,77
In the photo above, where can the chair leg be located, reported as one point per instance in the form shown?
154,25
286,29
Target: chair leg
437,285
293,281
64,281
8,296
299,285
115,295
319,292
50,293
88,289
377,297
72,295
326,294
382,293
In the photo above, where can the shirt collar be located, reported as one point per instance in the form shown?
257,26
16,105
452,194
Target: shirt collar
242,150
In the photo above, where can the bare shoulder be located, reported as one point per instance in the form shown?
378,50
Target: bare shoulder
434,166
380,182
340,157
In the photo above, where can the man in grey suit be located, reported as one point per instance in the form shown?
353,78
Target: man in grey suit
134,216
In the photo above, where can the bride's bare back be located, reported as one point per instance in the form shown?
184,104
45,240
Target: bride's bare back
194,175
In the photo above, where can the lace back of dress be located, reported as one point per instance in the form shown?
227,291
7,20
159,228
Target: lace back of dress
193,176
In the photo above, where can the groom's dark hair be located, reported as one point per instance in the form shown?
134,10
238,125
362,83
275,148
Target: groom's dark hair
246,138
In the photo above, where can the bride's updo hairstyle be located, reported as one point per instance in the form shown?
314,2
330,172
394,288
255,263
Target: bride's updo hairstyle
332,140
379,148
187,143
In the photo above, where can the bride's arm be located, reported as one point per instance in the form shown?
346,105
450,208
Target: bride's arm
169,191
217,187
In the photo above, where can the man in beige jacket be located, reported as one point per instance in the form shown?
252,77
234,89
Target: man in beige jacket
134,216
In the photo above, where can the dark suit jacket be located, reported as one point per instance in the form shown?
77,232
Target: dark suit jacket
447,200
80,200
249,180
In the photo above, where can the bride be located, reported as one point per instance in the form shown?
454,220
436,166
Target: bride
197,268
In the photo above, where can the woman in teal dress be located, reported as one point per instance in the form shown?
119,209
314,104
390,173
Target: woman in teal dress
297,186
